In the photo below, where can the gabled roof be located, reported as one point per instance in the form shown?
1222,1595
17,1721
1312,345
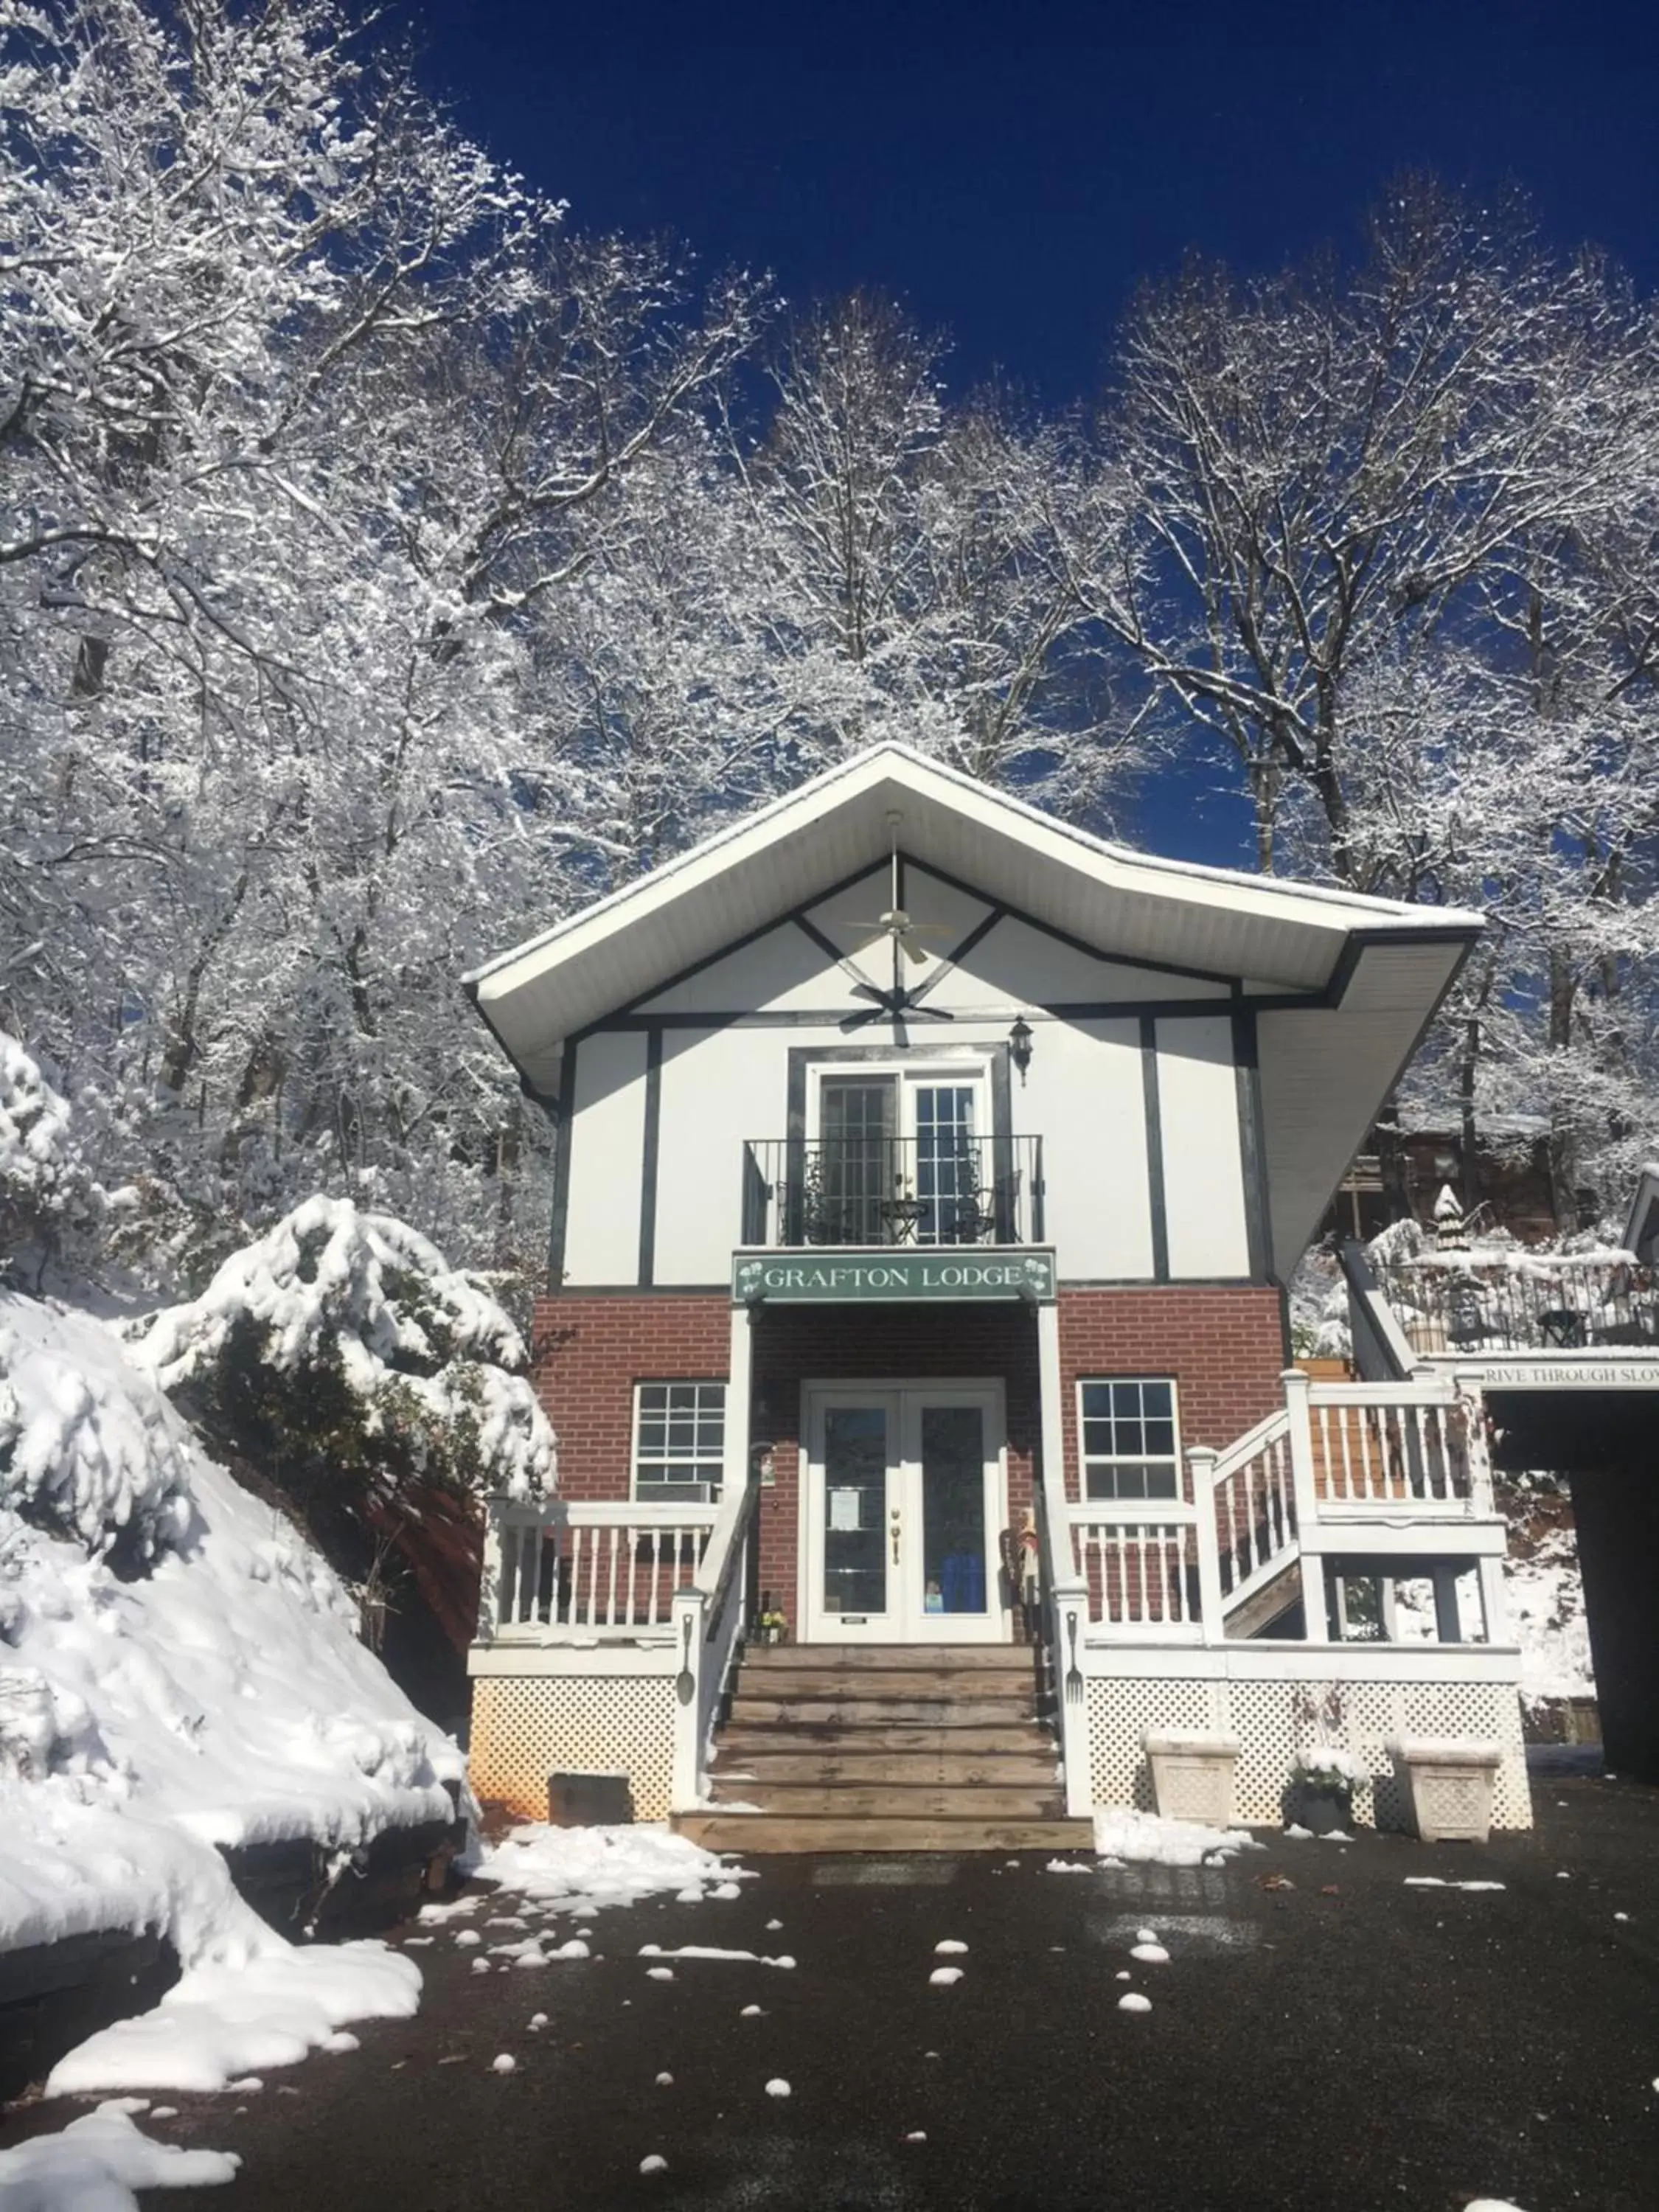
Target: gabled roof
1293,938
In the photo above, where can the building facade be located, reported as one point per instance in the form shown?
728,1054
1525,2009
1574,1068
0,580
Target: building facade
928,1175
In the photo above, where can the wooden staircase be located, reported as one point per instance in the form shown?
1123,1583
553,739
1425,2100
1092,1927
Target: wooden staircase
899,1747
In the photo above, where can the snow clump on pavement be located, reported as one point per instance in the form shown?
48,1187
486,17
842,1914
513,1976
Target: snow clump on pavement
96,2162
571,1868
943,1976
779,2087
1146,1839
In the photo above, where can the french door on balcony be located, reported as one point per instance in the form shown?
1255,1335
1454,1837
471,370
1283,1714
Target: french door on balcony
899,1159
904,1501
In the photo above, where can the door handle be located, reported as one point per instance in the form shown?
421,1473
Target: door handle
895,1532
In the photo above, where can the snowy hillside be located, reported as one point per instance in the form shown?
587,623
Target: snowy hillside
178,1668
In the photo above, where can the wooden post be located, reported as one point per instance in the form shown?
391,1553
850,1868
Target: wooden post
1448,1626
1315,1624
1200,1460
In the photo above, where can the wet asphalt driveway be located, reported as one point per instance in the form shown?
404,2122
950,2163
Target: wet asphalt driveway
1348,2042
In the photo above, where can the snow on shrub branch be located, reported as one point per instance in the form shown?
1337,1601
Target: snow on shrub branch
429,1363
88,1449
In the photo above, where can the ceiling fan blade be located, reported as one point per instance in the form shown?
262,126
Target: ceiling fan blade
929,1013
869,991
900,1035
913,951
862,1021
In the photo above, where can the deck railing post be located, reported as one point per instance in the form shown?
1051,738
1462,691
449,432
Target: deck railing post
1201,1461
1315,1626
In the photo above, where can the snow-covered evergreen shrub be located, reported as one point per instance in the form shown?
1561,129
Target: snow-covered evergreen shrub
87,1452
44,1188
341,1347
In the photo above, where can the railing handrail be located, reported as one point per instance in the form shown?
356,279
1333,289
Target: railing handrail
1245,1449
720,1560
1101,1512
1421,1390
606,1512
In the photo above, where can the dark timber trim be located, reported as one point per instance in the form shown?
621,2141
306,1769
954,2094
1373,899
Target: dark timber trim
1154,1149
1247,1075
564,1116
649,1156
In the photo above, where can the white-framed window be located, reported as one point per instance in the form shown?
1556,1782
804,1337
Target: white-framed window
679,1441
1128,1430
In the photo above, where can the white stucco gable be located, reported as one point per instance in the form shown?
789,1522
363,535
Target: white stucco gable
1336,988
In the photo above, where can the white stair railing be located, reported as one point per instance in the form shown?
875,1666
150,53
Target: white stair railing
1253,1487
709,1625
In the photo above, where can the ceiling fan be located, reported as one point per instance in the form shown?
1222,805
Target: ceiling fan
901,932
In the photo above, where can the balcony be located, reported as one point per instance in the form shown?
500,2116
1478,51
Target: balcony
1474,1302
948,1189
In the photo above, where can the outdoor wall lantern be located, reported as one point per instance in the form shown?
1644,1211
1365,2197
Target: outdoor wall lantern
1019,1046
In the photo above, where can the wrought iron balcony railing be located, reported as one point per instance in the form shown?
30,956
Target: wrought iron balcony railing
942,1189
1521,1301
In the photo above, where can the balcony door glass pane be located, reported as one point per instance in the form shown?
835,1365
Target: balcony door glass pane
948,1182
954,1575
857,1160
855,1456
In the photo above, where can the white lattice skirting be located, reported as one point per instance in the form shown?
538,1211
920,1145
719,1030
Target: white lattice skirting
526,1727
1262,1716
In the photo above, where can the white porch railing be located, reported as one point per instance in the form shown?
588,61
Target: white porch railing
1139,1565
1343,1469
1400,1447
558,1569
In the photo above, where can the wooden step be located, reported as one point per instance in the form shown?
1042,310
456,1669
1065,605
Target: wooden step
741,1739
910,1683
910,1802
948,1658
885,1712
757,1834
734,1772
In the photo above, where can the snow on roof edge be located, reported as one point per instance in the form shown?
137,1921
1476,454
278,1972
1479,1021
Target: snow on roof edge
1360,903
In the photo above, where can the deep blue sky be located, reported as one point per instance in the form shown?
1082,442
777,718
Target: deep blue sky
1012,170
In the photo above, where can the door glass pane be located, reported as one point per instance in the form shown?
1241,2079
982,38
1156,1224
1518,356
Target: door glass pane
854,1508
852,1176
953,1508
949,1183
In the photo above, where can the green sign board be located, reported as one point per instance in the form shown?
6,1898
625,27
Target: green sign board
826,1277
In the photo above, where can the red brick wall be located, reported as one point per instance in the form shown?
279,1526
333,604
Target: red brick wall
1226,1349
799,1344
1223,1347
589,1353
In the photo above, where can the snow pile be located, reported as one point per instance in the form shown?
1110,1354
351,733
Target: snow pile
412,1336
581,1869
224,2021
94,2164
1146,1839
220,1698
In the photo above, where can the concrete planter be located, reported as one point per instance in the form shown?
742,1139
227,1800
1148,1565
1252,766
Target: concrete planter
1447,1783
1192,1775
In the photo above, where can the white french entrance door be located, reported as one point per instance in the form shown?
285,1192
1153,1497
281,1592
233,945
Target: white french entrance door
904,1502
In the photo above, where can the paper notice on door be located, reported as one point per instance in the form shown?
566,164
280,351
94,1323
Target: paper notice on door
844,1510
